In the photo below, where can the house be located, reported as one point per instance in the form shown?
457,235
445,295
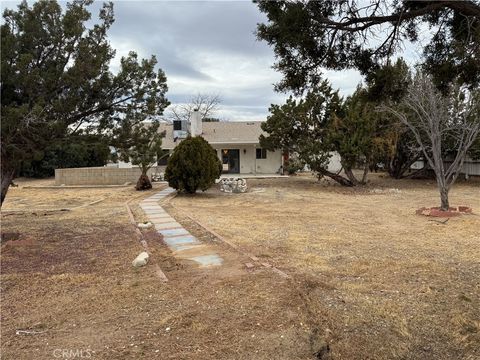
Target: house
236,143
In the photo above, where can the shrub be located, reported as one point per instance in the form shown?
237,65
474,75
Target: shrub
193,165
294,165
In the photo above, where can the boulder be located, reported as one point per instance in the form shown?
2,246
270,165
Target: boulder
140,260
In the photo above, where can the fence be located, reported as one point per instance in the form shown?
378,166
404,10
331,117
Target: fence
100,175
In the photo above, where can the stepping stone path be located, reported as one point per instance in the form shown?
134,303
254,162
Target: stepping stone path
183,244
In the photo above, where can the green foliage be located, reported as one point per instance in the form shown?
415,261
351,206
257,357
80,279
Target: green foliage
294,165
357,135
389,84
56,79
453,55
309,129
309,36
140,143
79,151
193,165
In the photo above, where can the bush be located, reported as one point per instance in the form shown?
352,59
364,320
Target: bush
293,166
79,151
193,165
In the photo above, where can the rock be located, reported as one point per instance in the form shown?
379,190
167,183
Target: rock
140,260
233,185
144,225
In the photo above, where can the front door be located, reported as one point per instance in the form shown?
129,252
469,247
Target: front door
231,161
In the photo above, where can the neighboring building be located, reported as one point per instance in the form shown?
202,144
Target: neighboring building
236,143
469,168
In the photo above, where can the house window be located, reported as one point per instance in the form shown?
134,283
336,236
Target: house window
261,153
177,125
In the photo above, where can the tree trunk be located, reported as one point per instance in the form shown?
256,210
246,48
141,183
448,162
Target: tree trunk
143,182
444,199
336,177
365,173
7,177
348,171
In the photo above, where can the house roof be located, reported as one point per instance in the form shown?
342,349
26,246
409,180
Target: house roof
224,132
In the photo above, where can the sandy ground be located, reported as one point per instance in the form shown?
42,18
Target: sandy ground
369,278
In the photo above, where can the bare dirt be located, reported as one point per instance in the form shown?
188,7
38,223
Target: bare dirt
369,278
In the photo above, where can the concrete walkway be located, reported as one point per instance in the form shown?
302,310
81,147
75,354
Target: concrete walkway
183,244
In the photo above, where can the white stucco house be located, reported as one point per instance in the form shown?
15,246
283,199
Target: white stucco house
236,143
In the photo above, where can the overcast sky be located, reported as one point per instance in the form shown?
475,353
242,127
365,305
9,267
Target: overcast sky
206,47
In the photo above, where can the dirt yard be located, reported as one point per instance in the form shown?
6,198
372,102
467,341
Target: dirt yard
369,279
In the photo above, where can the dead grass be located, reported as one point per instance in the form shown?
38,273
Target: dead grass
400,282
371,280
68,276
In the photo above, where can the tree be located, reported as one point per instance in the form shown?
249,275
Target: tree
320,123
443,125
388,85
80,150
193,165
55,80
308,36
140,144
207,105
358,134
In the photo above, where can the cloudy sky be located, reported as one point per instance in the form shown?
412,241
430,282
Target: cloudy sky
206,47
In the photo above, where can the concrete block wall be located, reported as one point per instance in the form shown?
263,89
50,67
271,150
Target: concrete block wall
100,175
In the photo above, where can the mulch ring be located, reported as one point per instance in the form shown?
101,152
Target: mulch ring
437,212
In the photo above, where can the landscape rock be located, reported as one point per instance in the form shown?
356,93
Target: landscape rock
144,225
233,185
140,260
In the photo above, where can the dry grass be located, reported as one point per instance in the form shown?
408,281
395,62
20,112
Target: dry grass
399,285
370,278
68,276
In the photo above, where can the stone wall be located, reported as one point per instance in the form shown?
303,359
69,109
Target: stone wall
100,175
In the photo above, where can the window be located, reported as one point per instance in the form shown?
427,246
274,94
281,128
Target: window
177,125
261,153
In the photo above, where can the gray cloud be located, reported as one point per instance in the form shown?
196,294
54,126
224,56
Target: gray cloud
208,47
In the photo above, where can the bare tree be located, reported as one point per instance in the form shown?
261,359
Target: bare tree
207,105
442,125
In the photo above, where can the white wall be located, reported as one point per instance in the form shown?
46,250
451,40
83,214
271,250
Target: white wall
270,165
334,164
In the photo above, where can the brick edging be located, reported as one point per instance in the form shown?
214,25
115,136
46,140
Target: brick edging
158,271
230,244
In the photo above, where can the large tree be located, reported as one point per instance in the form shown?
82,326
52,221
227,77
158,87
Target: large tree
80,150
388,85
56,79
321,123
308,36
445,127
140,143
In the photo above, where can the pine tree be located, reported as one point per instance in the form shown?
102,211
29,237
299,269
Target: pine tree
193,165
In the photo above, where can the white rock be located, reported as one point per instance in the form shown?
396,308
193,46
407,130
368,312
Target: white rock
140,260
236,185
144,225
